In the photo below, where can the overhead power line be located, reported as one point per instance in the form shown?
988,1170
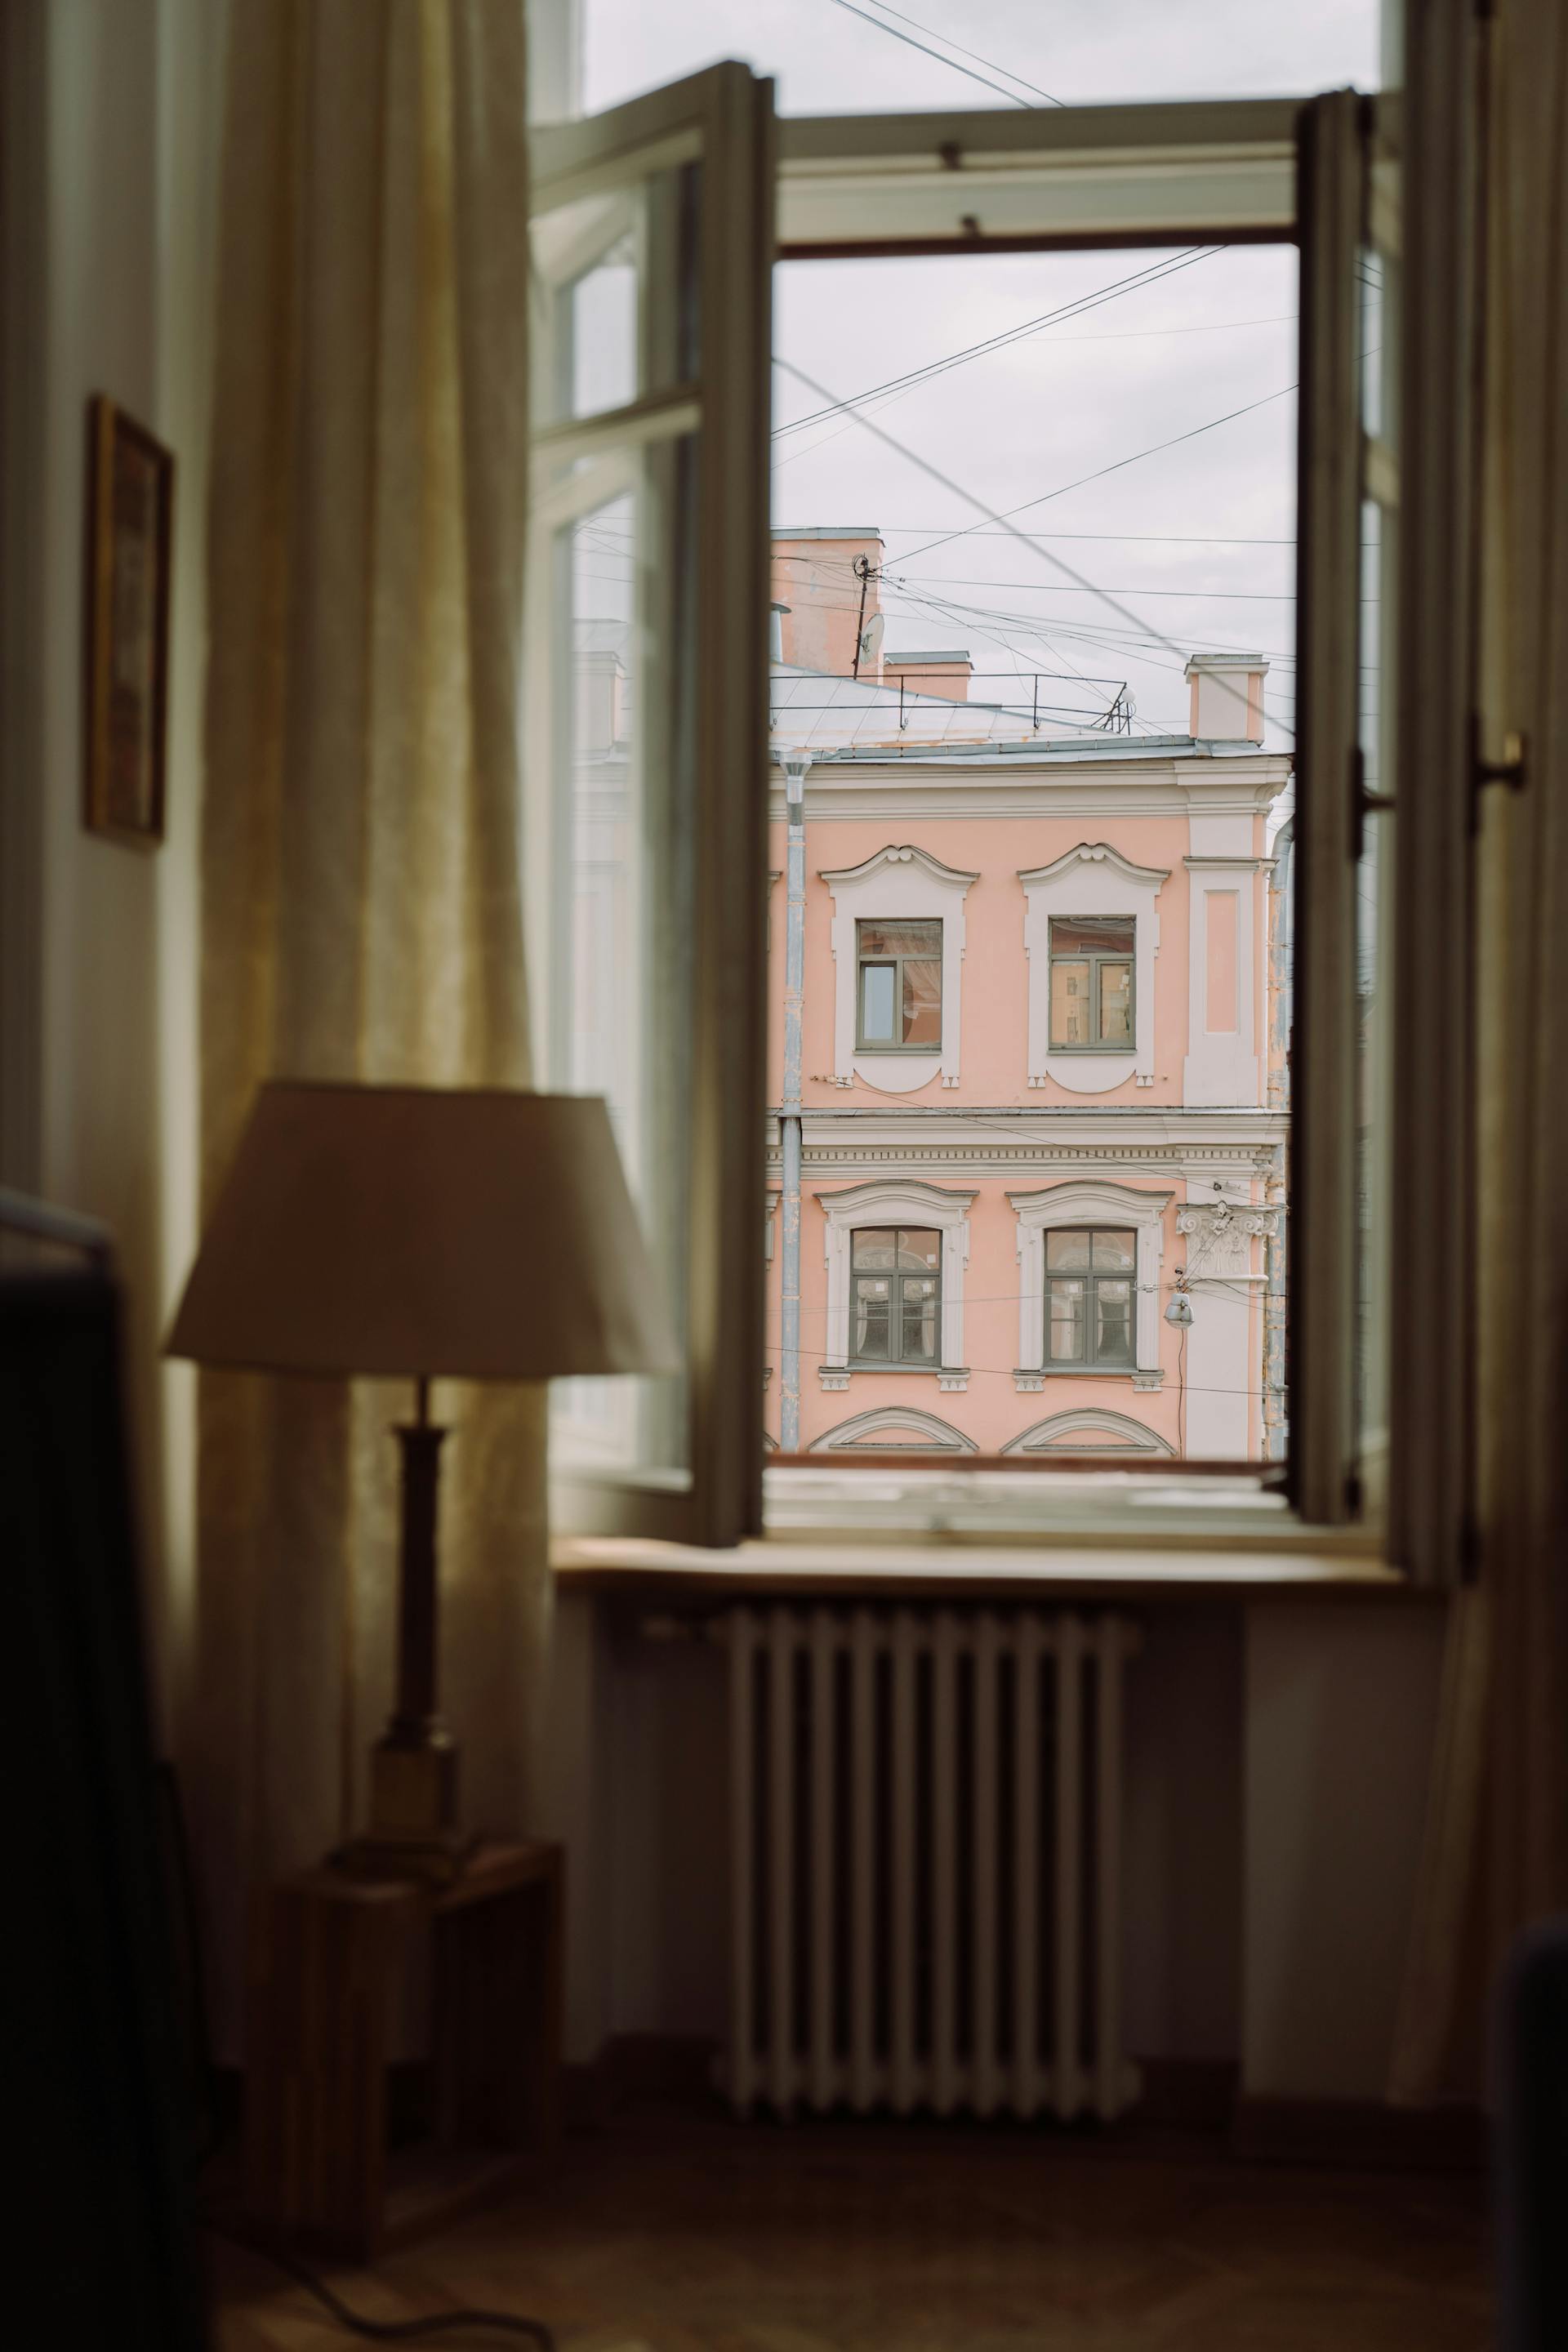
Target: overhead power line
1026,505
1147,274
908,38
924,466
952,44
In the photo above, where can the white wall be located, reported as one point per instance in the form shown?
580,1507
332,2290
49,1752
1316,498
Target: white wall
118,103
1275,1775
1342,1706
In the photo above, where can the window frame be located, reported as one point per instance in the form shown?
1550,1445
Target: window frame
897,1276
1090,1361
863,962
1291,170
1095,959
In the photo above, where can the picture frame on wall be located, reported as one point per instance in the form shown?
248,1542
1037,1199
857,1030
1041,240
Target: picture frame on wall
130,550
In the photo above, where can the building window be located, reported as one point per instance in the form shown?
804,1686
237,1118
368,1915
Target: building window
895,1277
899,984
1091,984
1090,1280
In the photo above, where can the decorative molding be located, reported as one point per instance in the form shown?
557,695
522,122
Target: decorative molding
1126,1435
1089,1202
952,1383
1222,1065
1092,879
898,883
944,1438
1149,1380
1096,853
1029,1383
833,1381
897,854
1220,1238
900,1200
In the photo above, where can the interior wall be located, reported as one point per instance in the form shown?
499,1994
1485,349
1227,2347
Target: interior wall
1342,1710
118,101
1275,1777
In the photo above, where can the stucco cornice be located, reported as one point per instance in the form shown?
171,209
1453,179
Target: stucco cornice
899,854
1095,853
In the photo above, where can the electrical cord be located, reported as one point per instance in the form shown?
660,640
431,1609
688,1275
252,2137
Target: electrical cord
385,2331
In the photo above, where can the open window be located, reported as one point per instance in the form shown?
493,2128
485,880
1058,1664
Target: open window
645,712
647,707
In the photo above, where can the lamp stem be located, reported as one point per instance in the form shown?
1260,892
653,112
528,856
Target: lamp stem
416,1717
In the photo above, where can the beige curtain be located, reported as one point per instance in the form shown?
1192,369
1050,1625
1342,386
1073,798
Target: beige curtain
1497,1850
360,859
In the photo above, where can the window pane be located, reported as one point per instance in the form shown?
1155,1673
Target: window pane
874,1246
1113,1322
922,1002
1069,1004
1092,935
920,1319
1067,1322
1115,1253
1067,1249
877,1002
871,1303
1116,1004
600,340
921,1251
890,939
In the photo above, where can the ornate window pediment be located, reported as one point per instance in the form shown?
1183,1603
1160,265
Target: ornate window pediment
896,1201
1091,1202
900,882
893,1428
1092,879
1088,1430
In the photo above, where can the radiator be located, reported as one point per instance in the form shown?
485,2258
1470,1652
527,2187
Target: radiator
925,1850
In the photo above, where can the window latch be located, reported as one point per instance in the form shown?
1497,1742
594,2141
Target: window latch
1363,804
1508,769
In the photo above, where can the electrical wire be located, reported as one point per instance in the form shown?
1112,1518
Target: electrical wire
1148,274
952,44
414,2330
1026,505
908,38
924,466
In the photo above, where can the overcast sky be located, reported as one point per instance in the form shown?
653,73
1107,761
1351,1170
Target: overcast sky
1197,540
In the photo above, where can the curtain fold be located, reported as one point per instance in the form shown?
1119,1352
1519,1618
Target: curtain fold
361,905
1497,1845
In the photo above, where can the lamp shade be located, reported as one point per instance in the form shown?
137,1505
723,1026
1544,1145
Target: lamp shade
471,1233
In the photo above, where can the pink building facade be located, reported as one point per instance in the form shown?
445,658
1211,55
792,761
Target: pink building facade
1034,1058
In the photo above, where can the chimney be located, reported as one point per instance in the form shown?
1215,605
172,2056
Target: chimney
944,674
816,599
1227,697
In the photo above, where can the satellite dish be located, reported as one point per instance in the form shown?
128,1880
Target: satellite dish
871,637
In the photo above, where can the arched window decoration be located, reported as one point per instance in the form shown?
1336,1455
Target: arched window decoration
1089,1430
894,1429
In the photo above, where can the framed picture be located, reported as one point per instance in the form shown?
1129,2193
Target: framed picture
130,497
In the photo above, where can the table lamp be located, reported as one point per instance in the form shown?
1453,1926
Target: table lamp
419,1232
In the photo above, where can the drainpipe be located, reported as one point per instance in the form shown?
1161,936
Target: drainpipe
794,765
1281,949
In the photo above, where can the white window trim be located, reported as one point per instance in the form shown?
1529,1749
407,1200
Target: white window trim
1136,1436
1087,1202
1092,879
895,1201
899,883
847,1435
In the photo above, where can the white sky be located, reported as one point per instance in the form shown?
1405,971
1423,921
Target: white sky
1024,421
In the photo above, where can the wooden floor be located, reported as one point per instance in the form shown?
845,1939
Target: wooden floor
669,2233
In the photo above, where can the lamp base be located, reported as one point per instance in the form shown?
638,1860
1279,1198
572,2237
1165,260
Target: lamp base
414,1831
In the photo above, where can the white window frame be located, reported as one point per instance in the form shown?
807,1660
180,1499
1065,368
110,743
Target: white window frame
898,883
895,1201
1087,1202
1091,878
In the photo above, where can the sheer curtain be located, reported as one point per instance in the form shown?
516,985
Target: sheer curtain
362,899
1497,1847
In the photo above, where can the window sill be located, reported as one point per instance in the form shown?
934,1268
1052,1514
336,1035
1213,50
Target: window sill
949,1568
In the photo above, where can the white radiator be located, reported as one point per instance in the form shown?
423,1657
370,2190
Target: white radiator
926,1837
